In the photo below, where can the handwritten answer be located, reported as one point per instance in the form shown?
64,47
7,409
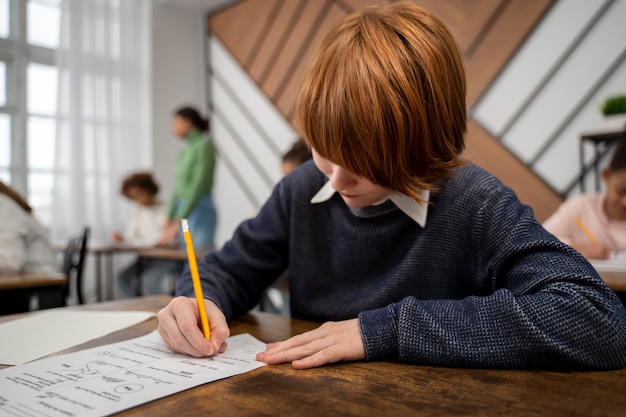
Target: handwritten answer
108,379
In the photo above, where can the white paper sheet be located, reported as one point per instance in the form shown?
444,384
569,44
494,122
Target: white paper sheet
50,331
108,379
616,263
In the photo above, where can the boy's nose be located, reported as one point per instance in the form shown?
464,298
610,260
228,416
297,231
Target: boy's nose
341,178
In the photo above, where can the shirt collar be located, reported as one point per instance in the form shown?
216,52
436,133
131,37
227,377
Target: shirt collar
413,209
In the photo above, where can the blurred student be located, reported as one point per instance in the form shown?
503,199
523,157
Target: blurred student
298,154
144,228
194,182
595,224
24,247
405,251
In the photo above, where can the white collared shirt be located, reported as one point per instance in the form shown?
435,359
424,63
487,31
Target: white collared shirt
413,209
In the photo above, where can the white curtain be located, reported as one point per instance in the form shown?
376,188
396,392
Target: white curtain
104,112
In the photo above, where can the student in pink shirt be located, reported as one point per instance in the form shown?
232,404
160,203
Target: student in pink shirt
595,224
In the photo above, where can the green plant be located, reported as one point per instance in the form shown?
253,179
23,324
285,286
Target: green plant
614,105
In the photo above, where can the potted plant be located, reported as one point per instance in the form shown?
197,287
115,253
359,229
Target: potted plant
614,111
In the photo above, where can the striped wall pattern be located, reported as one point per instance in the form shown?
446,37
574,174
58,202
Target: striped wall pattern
272,42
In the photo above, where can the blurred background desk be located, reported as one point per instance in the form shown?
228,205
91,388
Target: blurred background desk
613,272
51,289
602,143
615,279
105,286
372,388
33,280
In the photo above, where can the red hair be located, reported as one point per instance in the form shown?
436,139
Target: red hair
385,98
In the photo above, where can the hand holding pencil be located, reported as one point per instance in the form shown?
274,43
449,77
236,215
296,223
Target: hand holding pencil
184,323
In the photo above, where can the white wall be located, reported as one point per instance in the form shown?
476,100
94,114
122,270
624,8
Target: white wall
178,78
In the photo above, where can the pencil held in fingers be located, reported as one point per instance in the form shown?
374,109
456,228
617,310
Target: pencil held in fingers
195,276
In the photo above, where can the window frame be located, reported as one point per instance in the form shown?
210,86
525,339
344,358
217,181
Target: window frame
17,55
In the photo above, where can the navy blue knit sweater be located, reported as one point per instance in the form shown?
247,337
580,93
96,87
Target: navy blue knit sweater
481,285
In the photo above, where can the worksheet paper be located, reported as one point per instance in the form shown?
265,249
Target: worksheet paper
108,379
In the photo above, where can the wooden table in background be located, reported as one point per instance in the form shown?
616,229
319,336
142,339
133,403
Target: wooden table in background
612,272
614,279
105,286
33,280
105,283
372,388
170,254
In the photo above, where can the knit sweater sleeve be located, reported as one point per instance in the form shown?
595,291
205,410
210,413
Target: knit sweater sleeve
547,306
235,276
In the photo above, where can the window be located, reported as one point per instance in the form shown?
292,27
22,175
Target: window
4,19
29,36
44,22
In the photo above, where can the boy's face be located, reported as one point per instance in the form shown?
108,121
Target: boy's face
356,191
615,202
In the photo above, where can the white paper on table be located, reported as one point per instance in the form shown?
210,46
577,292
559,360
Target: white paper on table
616,263
108,379
49,331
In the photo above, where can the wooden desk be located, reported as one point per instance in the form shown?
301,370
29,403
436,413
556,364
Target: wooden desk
614,274
108,249
171,254
33,280
100,249
372,388
614,279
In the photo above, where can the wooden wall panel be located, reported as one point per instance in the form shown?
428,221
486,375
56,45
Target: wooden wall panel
240,28
285,102
506,34
488,32
271,46
349,5
291,53
465,18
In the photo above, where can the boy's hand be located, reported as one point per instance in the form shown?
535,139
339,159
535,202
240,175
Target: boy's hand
179,326
329,343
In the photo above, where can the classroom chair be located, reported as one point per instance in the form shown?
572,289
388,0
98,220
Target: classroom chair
73,264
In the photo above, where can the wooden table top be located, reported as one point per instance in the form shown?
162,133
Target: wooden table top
174,254
372,388
32,280
614,279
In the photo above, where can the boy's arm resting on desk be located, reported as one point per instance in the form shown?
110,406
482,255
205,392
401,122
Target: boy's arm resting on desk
548,308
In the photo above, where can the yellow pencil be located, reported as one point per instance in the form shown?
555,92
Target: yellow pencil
195,276
585,230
